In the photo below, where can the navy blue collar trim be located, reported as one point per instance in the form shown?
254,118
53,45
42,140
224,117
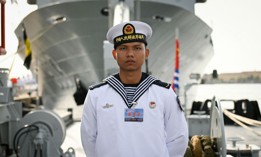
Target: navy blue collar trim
143,86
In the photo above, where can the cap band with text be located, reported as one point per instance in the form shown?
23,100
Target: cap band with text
133,31
129,35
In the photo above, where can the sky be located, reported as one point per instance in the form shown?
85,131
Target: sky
236,34
14,14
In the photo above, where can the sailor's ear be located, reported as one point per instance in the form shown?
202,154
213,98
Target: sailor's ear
147,53
114,54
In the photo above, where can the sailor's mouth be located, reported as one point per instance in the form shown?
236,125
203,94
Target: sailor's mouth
130,61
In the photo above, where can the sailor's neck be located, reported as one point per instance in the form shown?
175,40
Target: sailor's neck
130,78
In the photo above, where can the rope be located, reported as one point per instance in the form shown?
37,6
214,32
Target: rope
244,119
237,119
247,120
12,64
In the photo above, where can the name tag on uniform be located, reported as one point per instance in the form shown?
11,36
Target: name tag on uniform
133,115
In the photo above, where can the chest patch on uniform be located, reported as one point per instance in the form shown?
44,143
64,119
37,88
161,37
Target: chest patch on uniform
107,106
152,105
133,115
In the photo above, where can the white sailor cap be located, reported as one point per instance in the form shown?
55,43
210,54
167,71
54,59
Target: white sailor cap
132,31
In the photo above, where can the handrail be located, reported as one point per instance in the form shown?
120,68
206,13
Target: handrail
2,48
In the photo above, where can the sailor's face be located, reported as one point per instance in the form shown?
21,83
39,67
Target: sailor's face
131,56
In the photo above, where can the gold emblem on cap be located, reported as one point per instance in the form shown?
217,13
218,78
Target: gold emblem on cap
128,29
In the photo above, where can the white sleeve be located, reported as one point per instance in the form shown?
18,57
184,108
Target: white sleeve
175,126
88,126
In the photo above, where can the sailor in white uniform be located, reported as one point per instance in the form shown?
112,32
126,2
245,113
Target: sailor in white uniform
131,113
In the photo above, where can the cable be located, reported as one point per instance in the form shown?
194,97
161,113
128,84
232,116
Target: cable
35,152
7,57
19,134
20,130
1,83
41,152
46,125
12,64
17,144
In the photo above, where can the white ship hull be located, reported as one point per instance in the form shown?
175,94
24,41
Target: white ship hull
63,50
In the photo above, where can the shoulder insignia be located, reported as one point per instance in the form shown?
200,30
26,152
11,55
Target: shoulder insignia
162,84
97,85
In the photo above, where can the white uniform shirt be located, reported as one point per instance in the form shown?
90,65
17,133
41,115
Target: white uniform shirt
105,133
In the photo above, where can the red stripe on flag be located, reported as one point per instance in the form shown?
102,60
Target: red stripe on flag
177,55
176,68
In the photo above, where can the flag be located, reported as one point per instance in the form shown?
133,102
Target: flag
175,80
28,51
